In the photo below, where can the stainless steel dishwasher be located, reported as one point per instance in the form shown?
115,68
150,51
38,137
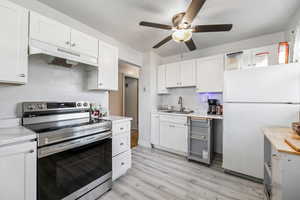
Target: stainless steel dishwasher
200,140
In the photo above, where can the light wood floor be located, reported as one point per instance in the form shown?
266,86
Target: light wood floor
158,175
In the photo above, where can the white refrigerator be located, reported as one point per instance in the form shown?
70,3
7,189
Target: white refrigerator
254,99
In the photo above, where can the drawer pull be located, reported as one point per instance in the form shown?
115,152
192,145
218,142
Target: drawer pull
122,163
121,143
121,128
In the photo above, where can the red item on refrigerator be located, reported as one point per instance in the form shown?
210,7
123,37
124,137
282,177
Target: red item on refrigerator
283,53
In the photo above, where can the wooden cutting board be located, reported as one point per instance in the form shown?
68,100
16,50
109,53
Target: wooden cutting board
293,140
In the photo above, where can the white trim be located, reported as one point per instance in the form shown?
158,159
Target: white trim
144,143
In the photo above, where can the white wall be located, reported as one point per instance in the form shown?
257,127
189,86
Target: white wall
48,83
147,95
125,52
230,47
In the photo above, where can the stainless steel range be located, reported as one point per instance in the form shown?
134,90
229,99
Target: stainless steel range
74,152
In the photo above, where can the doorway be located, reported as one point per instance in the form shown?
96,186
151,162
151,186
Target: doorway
124,102
131,88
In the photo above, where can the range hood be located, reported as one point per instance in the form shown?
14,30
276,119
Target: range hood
60,56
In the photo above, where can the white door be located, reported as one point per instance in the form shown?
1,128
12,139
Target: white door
179,139
173,75
173,136
210,74
266,84
155,129
84,43
243,140
108,67
18,172
188,73
49,31
161,80
13,43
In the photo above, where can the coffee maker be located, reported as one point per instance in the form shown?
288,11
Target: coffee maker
212,106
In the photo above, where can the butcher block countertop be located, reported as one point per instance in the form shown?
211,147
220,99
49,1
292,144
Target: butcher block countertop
277,138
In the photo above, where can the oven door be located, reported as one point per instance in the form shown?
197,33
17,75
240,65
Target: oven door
69,170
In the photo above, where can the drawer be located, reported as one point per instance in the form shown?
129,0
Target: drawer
121,127
120,164
201,123
198,131
173,119
120,143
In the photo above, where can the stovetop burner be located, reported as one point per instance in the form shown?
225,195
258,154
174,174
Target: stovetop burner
53,126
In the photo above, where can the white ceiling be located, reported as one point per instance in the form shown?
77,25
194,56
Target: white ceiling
120,18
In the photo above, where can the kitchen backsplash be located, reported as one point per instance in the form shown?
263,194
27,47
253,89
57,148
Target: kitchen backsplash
191,99
48,83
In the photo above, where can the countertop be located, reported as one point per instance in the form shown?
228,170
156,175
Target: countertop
9,135
197,115
276,137
117,118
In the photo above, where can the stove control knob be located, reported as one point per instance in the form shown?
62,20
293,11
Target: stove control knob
40,106
85,104
79,104
30,107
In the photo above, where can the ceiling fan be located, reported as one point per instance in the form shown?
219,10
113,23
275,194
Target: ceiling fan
182,26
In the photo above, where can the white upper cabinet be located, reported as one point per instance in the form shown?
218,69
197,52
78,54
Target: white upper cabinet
173,75
181,74
188,73
18,172
84,43
210,74
13,43
105,77
50,31
54,38
161,80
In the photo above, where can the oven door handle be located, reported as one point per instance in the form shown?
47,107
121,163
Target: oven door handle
53,149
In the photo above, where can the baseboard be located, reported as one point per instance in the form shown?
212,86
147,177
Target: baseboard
144,143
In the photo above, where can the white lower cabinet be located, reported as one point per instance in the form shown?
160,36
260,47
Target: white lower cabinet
281,174
121,152
155,129
18,171
121,163
173,133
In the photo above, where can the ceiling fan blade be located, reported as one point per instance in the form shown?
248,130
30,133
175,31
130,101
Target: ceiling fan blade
212,28
156,25
191,45
164,41
193,10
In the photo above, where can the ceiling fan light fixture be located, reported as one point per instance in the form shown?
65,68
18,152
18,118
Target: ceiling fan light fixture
182,35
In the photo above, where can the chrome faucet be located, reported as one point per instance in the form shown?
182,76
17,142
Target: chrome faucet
181,104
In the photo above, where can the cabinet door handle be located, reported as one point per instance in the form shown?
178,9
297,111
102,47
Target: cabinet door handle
67,43
73,45
122,163
121,128
100,84
22,75
31,151
121,144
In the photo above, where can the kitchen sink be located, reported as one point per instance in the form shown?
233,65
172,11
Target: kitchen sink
177,112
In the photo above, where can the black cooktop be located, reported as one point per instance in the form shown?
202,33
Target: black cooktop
53,126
